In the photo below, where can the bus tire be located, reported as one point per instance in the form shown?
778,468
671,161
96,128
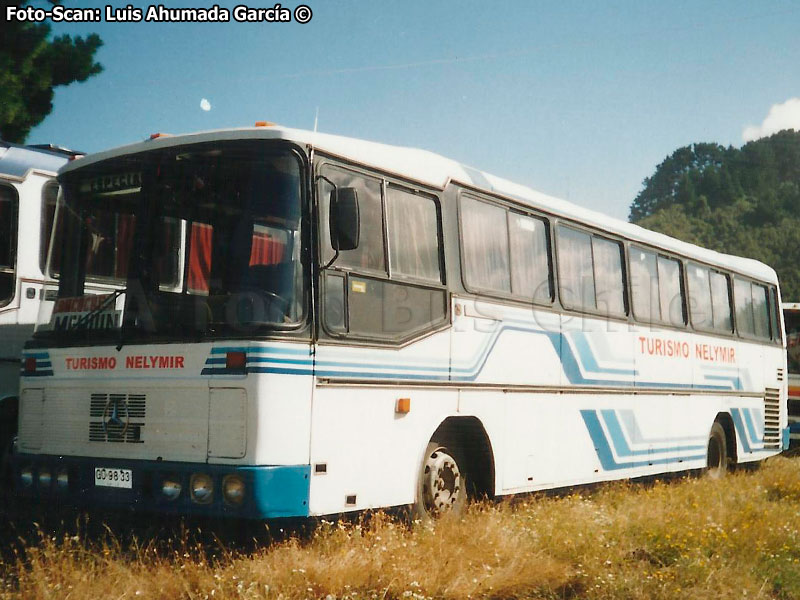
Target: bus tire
442,485
717,456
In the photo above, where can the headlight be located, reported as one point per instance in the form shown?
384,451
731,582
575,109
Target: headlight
171,488
26,476
62,479
202,488
45,478
233,489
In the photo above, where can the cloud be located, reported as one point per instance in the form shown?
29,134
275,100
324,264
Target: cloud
781,116
205,105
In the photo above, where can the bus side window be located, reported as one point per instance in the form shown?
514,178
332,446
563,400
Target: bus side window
49,199
590,272
743,299
413,228
484,231
761,311
608,278
575,273
530,258
8,243
721,302
700,297
369,255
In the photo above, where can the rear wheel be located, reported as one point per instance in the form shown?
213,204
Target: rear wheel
442,486
717,458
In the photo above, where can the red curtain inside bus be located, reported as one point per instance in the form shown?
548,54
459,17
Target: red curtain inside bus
199,258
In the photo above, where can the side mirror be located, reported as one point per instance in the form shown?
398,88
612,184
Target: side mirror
344,219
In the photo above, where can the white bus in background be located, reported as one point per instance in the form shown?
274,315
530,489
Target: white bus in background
302,324
791,316
28,192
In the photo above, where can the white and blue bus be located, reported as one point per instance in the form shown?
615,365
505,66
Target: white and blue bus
298,324
28,193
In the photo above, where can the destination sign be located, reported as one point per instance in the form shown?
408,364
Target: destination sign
68,312
113,183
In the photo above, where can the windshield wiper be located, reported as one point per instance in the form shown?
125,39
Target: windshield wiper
83,322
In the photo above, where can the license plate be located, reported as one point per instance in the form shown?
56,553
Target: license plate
115,478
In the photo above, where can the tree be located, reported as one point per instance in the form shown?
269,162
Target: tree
31,65
743,201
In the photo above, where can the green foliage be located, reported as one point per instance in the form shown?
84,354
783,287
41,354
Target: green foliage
31,65
742,201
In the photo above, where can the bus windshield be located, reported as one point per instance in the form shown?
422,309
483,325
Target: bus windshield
189,242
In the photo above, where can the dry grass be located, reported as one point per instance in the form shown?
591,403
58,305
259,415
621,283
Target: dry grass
693,538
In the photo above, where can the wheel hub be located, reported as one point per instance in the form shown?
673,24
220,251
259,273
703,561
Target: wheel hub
442,482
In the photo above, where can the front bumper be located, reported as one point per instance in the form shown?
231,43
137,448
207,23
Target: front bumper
270,491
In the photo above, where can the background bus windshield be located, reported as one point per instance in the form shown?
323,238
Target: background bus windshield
197,241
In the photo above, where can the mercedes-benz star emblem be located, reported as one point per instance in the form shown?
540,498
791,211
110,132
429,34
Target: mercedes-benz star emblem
115,411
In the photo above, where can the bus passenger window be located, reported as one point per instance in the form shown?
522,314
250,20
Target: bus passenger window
485,242
644,286
761,311
608,281
743,297
369,254
413,227
530,259
8,244
576,276
721,302
50,193
671,291
700,297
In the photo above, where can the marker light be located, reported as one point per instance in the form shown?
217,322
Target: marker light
26,475
236,360
155,136
233,489
45,478
265,124
402,406
62,479
30,365
202,488
171,488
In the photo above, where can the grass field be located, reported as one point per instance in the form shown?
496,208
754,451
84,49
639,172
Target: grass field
738,537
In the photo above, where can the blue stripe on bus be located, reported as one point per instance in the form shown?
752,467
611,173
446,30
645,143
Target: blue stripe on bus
747,417
570,363
741,433
621,444
606,456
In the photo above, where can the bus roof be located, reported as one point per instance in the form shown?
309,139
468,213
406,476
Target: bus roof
437,171
17,161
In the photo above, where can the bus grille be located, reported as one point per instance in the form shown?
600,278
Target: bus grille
772,418
117,418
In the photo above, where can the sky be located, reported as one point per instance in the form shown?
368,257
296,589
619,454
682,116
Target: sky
577,99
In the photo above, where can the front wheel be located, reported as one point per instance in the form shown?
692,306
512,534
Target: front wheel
442,486
717,458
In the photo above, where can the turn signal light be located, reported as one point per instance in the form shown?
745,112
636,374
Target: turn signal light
402,406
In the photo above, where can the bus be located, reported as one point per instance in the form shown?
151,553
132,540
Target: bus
298,324
791,316
28,192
